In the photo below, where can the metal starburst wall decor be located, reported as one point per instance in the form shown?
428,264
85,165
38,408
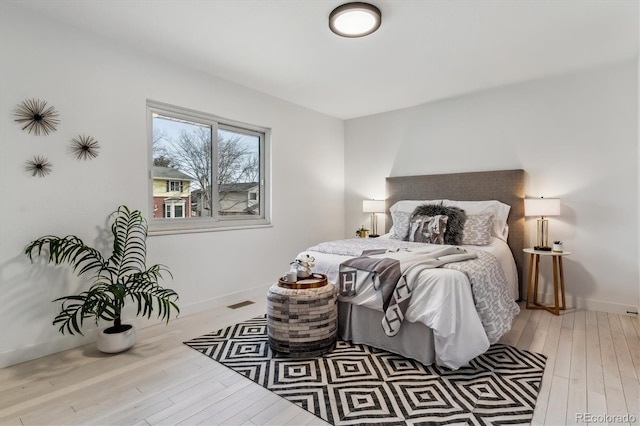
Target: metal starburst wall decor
84,147
38,166
36,117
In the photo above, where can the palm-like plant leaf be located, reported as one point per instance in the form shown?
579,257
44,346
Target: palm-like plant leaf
129,231
144,289
87,304
123,276
70,249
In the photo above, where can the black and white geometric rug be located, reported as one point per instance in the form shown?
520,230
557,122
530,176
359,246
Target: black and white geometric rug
357,384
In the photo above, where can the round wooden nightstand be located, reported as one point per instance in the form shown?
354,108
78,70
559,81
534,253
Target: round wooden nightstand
558,279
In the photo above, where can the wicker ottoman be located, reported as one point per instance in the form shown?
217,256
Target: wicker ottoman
302,322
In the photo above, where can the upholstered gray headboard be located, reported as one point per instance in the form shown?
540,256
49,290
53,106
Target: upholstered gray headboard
506,186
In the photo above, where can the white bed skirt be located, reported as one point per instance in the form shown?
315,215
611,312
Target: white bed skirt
414,340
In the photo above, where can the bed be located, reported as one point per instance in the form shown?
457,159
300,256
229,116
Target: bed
446,326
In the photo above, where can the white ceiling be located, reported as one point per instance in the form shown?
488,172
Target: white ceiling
425,49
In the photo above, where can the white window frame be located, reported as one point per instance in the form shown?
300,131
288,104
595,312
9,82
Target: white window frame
170,206
171,184
217,222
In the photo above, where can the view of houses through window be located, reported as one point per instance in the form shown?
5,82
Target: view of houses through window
205,168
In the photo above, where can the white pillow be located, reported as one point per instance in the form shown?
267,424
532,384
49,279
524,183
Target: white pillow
500,213
410,205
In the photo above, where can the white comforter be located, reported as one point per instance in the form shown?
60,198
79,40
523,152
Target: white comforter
442,298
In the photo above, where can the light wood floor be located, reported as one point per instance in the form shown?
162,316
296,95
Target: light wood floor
593,367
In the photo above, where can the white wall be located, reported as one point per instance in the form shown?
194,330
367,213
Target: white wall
100,89
574,135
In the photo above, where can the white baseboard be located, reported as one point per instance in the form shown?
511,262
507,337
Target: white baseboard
39,350
223,300
590,305
67,342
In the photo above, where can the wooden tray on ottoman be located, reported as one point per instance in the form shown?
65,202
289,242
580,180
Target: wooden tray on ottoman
314,281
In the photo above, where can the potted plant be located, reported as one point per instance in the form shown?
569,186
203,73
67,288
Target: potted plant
361,232
122,277
557,246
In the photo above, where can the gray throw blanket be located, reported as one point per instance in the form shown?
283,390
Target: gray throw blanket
392,273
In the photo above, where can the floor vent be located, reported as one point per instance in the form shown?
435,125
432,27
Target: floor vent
241,304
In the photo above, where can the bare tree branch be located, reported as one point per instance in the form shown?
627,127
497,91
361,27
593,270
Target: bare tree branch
191,153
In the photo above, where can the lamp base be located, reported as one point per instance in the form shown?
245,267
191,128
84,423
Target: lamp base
542,248
373,235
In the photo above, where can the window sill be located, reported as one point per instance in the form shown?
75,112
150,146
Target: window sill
201,229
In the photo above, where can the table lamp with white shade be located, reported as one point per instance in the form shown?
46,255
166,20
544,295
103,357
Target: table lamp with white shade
542,207
373,207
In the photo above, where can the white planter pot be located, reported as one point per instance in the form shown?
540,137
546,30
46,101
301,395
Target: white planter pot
112,343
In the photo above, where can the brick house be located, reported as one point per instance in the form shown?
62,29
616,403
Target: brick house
171,193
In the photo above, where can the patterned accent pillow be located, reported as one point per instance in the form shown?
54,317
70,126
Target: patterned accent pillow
455,224
428,229
400,225
477,229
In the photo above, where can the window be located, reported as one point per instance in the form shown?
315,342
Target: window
206,172
174,186
174,209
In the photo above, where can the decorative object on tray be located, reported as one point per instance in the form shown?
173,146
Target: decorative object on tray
35,117
557,246
38,166
84,147
357,384
542,207
290,277
303,264
123,276
362,232
302,321
373,207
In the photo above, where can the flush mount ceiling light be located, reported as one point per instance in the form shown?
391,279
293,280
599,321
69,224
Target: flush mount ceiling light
355,19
